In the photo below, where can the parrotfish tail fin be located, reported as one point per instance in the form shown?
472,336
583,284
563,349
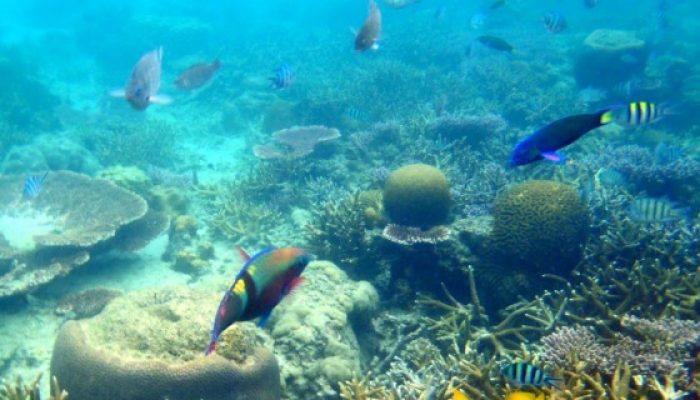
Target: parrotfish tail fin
160,99
554,382
212,347
120,93
554,157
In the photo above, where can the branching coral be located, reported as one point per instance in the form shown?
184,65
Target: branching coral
19,391
468,324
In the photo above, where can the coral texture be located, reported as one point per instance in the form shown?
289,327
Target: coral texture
297,142
541,225
417,195
148,345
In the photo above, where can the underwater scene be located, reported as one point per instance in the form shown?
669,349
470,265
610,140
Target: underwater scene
350,199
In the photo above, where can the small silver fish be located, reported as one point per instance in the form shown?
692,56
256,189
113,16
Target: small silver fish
197,75
144,83
367,37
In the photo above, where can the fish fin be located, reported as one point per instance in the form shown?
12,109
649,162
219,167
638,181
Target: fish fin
120,93
212,347
554,157
244,254
160,99
556,382
293,285
607,116
264,318
459,395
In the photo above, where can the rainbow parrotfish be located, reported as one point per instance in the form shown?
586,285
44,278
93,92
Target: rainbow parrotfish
265,279
544,142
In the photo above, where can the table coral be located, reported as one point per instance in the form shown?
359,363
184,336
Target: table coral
72,219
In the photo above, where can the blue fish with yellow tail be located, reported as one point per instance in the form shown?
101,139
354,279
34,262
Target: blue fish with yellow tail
264,280
544,143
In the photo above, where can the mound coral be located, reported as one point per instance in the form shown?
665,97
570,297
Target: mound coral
73,218
541,226
148,345
622,53
297,142
417,195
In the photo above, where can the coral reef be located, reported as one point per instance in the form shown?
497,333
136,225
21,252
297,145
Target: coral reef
538,221
296,142
50,152
73,218
129,177
417,195
608,46
316,331
648,348
85,304
407,235
149,345
474,128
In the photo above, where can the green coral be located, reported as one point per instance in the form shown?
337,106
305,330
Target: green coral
541,226
417,195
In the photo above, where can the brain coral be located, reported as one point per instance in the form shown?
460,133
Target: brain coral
417,195
541,225
149,345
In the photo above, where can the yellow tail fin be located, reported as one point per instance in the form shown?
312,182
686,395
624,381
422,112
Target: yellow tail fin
459,395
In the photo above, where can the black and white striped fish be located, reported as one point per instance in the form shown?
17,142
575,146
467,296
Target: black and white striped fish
639,113
523,373
284,77
656,210
33,185
555,22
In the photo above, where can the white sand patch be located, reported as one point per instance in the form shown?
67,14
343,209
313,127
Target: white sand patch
20,229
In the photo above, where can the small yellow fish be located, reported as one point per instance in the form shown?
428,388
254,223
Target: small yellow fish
459,395
522,395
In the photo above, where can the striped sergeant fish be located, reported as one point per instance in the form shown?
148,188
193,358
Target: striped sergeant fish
523,373
555,22
33,185
284,77
656,210
641,113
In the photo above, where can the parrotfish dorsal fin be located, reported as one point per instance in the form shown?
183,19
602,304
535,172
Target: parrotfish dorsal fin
250,259
244,254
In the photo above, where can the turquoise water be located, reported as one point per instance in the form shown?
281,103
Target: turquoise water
393,167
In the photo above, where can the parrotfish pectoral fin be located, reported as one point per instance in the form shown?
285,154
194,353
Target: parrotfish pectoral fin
294,284
160,99
244,254
212,347
554,157
117,93
264,318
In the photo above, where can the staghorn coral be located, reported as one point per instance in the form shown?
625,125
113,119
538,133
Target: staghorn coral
538,221
297,142
468,325
19,391
472,127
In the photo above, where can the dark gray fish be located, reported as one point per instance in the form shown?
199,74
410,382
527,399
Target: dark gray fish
284,77
367,37
197,75
656,210
555,22
33,185
495,43
523,373
144,83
